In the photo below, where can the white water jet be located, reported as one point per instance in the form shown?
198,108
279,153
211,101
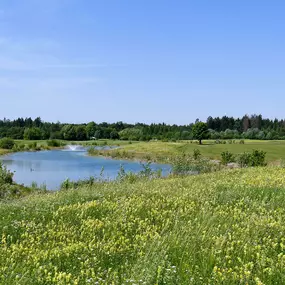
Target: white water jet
75,147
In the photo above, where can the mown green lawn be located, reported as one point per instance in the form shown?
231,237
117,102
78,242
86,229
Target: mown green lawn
275,150
219,228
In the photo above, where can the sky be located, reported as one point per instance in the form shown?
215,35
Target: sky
141,60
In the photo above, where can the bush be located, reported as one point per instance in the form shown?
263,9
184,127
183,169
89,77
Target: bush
67,184
53,143
32,146
21,147
6,177
244,159
196,154
185,165
256,158
7,143
227,157
145,173
15,148
7,188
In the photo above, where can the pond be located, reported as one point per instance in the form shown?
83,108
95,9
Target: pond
52,167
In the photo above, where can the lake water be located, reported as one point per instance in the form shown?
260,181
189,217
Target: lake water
53,167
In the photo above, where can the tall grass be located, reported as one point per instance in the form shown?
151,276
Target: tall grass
218,228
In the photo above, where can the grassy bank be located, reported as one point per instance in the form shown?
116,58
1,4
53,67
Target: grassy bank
86,143
219,228
4,151
162,151
30,145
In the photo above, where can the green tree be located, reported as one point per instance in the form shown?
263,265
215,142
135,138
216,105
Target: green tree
16,133
90,130
200,131
114,135
69,132
98,134
33,134
133,134
81,133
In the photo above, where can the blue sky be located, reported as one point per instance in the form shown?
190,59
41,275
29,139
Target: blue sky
141,60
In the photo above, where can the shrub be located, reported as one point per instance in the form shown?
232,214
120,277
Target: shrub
7,188
196,154
67,184
145,173
227,157
54,143
244,159
241,141
15,148
21,146
6,177
32,146
256,158
186,165
7,143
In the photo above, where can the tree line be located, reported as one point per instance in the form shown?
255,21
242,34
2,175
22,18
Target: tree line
247,127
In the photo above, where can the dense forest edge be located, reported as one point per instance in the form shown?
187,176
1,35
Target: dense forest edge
247,127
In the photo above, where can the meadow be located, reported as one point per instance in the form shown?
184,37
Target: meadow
161,151
218,228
